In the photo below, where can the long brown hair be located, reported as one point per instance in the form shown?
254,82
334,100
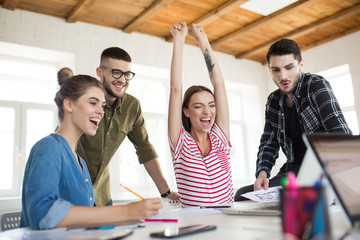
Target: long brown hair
187,96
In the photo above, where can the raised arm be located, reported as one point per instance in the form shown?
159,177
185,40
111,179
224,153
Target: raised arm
216,78
178,32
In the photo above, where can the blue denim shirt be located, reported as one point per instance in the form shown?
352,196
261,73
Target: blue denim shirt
53,183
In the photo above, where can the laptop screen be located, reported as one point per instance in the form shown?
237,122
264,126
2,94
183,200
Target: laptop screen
339,155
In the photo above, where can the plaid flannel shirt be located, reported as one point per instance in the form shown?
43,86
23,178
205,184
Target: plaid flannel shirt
318,111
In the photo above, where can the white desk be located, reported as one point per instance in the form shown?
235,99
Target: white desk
228,227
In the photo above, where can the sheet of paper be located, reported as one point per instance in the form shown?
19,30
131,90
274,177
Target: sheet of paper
271,195
185,212
78,234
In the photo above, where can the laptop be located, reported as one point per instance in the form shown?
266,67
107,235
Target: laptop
251,208
339,159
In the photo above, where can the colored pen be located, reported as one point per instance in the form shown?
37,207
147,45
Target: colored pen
106,228
202,207
132,191
161,220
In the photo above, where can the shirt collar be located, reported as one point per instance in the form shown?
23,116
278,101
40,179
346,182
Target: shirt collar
117,105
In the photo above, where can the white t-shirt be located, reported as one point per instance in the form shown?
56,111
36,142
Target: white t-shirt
203,180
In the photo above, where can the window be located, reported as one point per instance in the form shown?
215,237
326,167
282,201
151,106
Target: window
27,81
246,124
150,86
23,82
22,125
27,108
341,83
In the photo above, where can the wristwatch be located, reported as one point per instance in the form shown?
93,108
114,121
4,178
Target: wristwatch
165,194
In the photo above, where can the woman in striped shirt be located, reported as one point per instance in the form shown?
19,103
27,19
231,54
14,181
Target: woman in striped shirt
199,128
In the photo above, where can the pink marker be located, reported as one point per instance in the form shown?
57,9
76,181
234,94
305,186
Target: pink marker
292,182
161,220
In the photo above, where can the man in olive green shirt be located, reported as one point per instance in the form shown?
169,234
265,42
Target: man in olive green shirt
122,118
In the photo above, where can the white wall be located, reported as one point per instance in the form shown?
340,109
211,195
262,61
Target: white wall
341,51
87,41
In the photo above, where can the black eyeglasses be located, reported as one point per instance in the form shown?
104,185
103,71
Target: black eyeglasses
117,73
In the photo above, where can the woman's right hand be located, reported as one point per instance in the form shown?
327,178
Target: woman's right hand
179,31
145,208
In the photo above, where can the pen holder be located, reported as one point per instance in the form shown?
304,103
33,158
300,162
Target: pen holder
304,213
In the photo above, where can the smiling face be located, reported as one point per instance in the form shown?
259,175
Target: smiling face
285,72
88,111
201,111
115,88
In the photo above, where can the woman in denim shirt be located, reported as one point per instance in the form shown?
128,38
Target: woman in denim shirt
57,189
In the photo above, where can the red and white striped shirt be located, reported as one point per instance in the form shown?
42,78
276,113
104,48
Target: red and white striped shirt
203,180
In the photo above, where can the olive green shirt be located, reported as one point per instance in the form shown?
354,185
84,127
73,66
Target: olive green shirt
121,120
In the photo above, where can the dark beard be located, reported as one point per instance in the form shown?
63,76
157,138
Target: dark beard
108,89
294,87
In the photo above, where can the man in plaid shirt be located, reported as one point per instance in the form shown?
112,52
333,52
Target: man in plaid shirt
303,103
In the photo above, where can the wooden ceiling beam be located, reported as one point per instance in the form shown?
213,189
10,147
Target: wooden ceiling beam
332,37
146,15
215,14
219,12
262,22
304,30
80,9
10,4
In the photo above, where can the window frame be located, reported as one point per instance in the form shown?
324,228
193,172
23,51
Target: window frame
20,145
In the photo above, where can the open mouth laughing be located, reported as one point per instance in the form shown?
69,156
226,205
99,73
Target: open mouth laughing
205,121
95,122
119,86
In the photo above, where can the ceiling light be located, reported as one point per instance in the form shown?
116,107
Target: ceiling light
266,7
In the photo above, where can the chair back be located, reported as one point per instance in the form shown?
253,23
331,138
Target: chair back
9,220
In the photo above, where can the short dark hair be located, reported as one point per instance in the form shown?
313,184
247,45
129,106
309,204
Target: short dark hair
187,96
284,47
73,87
115,53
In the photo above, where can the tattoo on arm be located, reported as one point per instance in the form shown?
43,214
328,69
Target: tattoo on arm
209,63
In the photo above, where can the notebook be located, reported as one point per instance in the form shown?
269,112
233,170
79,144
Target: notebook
339,158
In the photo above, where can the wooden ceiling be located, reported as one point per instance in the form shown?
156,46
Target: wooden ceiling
230,29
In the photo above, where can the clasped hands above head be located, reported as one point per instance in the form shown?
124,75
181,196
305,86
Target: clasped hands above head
181,29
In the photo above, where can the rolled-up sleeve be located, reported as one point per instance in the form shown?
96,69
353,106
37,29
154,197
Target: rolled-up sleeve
55,214
140,139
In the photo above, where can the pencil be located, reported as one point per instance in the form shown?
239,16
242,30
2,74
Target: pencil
132,191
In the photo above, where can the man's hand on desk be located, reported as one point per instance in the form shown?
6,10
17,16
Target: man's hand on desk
173,196
262,182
